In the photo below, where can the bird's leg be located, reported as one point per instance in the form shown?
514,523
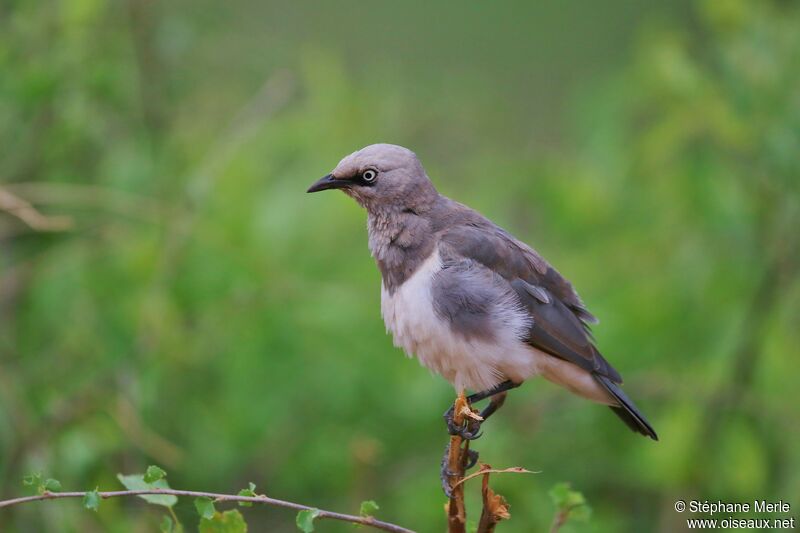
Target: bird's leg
463,427
495,403
457,459
470,428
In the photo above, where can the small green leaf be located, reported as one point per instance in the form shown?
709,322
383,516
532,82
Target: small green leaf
305,520
41,486
166,524
153,474
32,480
228,522
368,508
575,499
91,500
560,494
52,485
581,514
571,502
249,492
205,507
136,482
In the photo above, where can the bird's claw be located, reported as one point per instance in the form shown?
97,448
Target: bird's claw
472,459
446,474
470,429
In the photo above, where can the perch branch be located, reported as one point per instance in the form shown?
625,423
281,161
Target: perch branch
361,520
495,508
456,463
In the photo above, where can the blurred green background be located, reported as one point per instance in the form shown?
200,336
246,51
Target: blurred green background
170,295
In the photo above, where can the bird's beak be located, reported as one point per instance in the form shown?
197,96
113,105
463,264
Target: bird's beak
327,182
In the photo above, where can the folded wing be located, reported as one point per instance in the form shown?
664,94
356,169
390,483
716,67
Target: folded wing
560,321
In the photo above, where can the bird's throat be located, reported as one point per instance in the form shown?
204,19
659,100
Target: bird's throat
399,241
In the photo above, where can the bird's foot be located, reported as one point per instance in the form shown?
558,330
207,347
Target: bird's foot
446,475
470,429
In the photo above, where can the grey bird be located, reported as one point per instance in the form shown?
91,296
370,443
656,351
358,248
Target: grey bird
474,304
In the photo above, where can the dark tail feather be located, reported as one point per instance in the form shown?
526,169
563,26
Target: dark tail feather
626,410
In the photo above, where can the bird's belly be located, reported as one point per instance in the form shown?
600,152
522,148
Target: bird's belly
467,363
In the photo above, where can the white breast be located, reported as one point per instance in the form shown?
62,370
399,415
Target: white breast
468,364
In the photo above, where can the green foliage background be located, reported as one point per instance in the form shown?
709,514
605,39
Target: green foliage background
204,314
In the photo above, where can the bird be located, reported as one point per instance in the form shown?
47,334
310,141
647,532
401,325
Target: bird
469,300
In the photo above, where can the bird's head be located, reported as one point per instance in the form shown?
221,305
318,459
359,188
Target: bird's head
381,177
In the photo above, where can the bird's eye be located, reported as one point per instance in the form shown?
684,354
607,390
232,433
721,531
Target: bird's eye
369,176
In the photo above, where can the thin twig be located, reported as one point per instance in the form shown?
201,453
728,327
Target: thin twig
561,517
85,196
127,418
559,520
512,470
362,520
28,214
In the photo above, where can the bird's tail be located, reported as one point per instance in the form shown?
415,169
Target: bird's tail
626,410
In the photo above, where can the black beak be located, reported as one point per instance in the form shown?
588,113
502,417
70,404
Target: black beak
327,182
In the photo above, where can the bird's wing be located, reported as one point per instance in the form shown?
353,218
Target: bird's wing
560,320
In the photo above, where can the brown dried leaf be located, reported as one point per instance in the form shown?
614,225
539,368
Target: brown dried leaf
495,504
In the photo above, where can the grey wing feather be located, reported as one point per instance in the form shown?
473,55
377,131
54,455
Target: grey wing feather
560,320
537,292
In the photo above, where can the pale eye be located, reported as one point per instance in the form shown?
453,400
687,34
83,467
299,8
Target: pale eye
369,176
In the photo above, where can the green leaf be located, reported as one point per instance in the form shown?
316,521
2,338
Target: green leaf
559,494
581,514
570,501
136,482
166,525
249,492
368,508
305,520
48,485
52,485
153,474
91,500
32,480
564,497
228,522
205,507
575,499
